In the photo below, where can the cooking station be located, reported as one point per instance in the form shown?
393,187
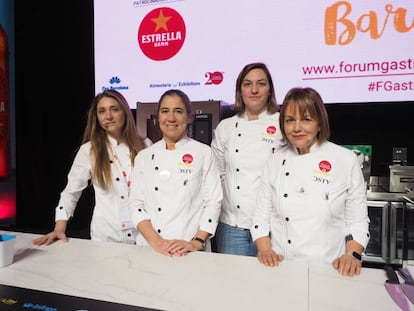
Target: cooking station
391,211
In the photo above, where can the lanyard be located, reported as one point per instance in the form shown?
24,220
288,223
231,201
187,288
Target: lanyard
125,220
124,171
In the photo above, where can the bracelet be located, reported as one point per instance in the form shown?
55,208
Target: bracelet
355,255
203,243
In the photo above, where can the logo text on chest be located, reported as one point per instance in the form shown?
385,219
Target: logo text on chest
184,171
321,180
267,140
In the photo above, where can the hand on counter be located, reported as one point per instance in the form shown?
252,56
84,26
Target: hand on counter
169,247
266,254
174,247
347,265
50,238
269,258
57,234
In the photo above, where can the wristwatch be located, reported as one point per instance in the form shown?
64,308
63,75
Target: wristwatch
355,255
203,243
358,256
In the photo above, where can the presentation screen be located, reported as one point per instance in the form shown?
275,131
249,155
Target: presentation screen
350,51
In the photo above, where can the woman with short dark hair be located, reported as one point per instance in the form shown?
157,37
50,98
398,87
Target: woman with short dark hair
312,199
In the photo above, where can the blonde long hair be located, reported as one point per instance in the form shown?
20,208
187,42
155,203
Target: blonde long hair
101,171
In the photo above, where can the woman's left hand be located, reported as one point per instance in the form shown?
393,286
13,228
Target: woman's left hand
347,265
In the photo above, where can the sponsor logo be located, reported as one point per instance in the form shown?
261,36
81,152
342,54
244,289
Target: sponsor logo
186,161
271,130
8,301
325,166
215,77
161,34
187,158
323,175
268,136
114,84
139,3
38,307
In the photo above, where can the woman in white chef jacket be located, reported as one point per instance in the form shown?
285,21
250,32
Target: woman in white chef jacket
242,145
104,160
176,192
312,199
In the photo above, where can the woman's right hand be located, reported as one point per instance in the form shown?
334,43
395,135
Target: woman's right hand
266,254
164,246
269,258
50,238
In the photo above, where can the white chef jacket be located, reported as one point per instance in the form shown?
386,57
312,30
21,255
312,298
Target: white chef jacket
241,148
111,219
177,190
310,202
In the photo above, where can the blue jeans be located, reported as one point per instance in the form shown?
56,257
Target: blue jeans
233,240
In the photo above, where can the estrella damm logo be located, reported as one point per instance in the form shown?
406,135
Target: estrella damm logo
161,34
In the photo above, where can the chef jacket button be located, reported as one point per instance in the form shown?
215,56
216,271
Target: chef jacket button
139,210
368,234
287,218
122,197
237,170
285,195
287,174
110,161
238,187
256,226
289,241
159,230
129,234
238,206
156,188
117,179
237,150
156,168
239,134
210,220
159,209
60,207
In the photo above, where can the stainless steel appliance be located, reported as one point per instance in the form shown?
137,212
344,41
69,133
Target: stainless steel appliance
378,247
401,233
401,178
391,228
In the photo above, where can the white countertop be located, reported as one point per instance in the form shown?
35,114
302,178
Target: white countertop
134,275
